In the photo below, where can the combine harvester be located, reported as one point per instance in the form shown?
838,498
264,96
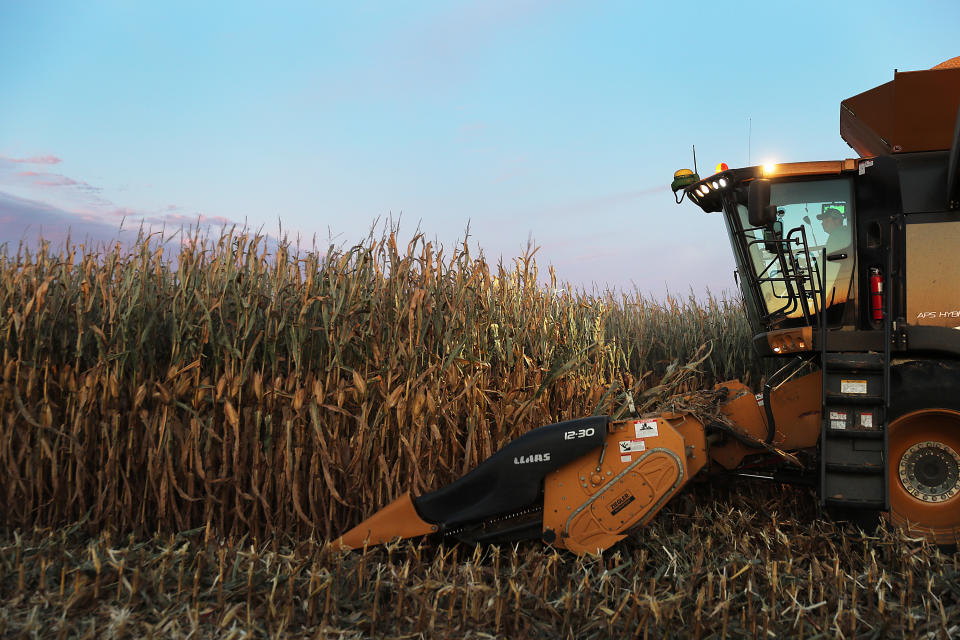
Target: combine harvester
866,307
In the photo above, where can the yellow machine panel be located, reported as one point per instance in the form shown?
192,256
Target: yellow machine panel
796,412
933,274
589,503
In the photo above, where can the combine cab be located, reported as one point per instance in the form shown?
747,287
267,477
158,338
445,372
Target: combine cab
849,274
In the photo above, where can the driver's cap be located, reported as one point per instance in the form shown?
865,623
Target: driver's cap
830,212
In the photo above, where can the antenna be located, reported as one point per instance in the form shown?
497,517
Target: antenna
695,160
749,140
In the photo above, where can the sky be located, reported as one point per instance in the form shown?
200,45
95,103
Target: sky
553,122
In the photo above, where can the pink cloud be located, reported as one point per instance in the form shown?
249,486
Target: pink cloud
57,180
22,218
177,219
48,159
122,212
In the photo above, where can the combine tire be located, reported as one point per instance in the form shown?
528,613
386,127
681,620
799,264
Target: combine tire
924,466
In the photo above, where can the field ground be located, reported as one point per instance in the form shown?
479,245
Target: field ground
746,560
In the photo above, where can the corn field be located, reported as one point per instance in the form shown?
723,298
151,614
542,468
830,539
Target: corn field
293,393
185,426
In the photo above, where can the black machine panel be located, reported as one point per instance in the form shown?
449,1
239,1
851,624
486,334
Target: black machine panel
923,180
511,479
878,204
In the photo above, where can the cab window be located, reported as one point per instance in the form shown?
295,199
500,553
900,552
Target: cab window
819,215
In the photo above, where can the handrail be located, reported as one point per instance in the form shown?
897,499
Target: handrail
801,282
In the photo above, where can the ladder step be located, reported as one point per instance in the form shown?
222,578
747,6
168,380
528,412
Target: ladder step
869,469
856,434
854,361
855,503
837,398
853,449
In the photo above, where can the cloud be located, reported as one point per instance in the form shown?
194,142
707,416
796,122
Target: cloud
184,220
48,159
56,180
40,203
37,202
46,179
71,196
26,220
123,212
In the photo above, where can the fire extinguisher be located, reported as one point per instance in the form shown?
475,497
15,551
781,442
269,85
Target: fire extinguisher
876,295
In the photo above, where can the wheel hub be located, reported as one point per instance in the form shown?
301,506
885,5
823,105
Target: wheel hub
930,471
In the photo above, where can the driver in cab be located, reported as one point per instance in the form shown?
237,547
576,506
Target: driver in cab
838,234
839,269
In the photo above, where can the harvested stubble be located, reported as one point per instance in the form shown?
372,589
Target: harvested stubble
746,562
292,394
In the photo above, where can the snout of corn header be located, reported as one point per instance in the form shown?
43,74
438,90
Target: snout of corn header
399,519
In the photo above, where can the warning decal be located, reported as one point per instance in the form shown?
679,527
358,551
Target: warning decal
632,446
838,420
853,386
645,429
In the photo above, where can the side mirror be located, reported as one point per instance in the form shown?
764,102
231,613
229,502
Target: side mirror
760,213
